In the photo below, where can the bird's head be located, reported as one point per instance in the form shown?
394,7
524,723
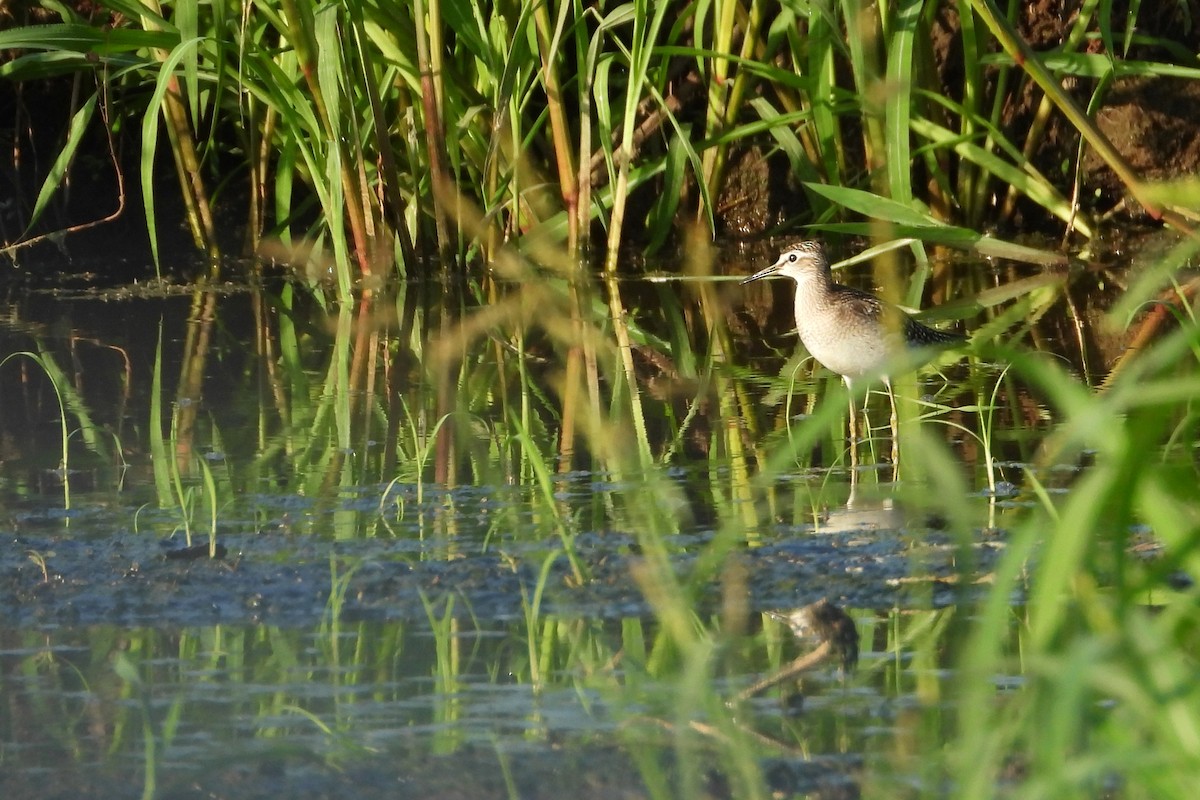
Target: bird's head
799,261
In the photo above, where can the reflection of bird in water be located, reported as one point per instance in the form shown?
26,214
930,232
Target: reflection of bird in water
836,635
828,624
862,516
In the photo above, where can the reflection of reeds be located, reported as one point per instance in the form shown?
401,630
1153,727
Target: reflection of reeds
764,475
61,387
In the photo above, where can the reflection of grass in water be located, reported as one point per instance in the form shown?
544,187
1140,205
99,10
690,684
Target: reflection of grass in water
70,403
681,663
58,386
1087,594
170,459
127,671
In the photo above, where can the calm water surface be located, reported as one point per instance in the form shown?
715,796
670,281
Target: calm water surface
370,629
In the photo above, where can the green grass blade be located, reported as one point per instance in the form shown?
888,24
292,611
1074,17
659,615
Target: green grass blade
62,163
898,107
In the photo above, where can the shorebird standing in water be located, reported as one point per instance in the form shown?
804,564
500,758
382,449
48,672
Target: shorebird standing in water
849,331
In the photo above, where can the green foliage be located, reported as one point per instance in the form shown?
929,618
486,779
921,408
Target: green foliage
367,125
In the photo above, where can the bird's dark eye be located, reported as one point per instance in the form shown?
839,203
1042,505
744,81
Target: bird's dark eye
792,257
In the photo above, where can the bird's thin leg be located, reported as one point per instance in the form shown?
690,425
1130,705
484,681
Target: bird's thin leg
895,421
853,425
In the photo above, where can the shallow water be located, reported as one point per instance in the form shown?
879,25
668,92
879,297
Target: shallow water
370,630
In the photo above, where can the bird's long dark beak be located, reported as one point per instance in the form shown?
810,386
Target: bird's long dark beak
762,273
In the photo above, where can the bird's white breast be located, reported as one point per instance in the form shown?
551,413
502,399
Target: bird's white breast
850,346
